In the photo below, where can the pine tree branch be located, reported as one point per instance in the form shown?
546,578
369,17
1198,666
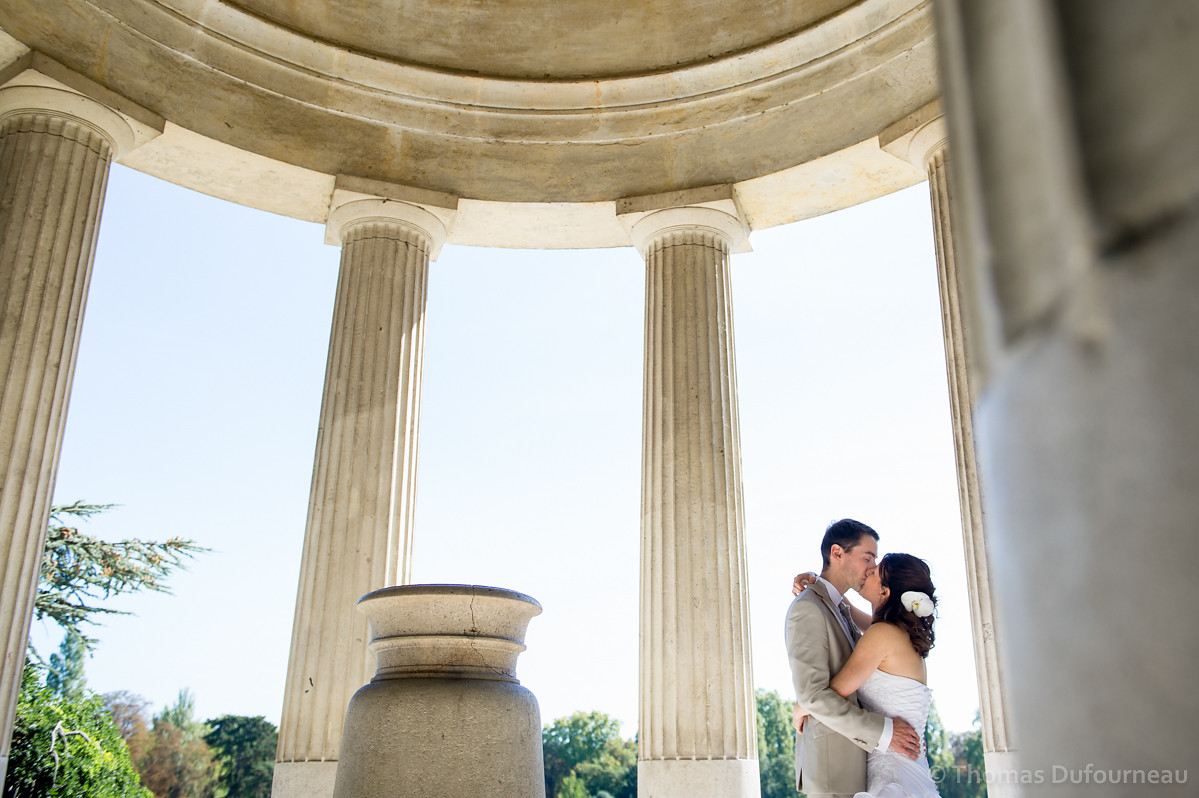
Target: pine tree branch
79,569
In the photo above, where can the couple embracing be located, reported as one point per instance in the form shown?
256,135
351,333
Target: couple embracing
861,698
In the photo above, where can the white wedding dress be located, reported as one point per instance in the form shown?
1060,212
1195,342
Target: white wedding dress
888,774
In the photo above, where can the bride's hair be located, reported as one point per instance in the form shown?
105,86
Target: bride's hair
901,573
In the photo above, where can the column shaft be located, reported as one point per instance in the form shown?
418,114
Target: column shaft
1077,179
996,743
697,699
53,172
358,535
921,139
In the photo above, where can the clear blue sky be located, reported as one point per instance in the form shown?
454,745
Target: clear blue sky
198,387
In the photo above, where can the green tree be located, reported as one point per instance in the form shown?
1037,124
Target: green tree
177,762
572,740
969,762
776,745
611,773
65,673
78,570
245,749
66,747
938,750
182,714
572,787
959,771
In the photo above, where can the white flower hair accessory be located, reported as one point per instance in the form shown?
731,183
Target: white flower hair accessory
917,603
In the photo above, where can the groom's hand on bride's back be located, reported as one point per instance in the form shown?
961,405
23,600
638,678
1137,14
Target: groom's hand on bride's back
904,739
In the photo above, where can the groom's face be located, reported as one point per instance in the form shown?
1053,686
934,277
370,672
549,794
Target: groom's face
859,560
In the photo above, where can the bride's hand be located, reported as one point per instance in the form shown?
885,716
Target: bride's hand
802,581
798,716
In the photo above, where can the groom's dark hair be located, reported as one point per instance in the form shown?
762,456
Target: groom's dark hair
846,533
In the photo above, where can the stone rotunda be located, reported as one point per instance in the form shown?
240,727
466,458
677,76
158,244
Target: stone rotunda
679,127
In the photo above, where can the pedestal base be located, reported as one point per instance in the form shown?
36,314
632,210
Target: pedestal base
1003,774
441,738
689,778
304,779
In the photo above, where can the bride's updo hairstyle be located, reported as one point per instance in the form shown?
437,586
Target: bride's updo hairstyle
901,573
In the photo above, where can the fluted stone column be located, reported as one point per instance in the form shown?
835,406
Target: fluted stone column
56,146
1075,130
696,732
921,139
359,529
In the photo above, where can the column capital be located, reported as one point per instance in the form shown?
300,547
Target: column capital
918,136
358,200
45,86
712,208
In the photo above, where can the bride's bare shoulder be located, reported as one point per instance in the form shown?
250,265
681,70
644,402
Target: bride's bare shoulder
886,632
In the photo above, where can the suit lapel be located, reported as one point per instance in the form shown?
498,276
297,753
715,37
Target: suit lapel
838,619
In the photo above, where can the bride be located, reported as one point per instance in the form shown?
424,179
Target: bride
887,668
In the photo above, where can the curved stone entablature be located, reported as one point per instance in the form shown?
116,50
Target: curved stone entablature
550,39
267,101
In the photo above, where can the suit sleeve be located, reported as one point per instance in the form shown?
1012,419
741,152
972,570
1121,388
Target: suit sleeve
808,650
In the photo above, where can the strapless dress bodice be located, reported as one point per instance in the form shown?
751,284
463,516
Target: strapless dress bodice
888,774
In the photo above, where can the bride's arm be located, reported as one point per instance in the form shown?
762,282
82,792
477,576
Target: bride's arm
870,653
862,619
867,655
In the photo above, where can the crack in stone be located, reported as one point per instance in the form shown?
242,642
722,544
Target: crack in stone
702,244
94,141
474,634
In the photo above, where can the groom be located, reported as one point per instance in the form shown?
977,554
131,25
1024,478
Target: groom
830,753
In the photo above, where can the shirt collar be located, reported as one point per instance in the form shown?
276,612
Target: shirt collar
833,594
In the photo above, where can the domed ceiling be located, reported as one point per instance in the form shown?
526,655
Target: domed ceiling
548,39
504,101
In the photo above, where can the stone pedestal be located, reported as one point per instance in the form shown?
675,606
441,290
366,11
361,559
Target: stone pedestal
359,531
444,715
56,146
696,732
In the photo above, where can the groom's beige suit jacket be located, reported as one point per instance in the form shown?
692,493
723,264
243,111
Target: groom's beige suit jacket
830,754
